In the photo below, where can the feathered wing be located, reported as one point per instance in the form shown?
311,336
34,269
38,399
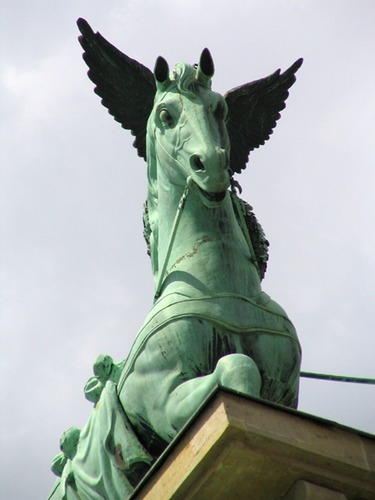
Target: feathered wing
254,109
127,88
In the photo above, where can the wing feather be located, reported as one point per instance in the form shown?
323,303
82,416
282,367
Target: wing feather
126,87
254,109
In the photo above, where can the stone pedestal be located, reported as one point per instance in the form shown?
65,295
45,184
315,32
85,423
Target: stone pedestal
248,449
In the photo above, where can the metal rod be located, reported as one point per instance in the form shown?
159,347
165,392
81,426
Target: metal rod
338,378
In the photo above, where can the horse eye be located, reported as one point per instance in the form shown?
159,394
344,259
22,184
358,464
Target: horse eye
166,117
219,111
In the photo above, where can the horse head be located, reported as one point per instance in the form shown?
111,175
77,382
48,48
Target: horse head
186,130
193,124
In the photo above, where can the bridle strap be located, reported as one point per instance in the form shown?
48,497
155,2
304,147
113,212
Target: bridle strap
172,237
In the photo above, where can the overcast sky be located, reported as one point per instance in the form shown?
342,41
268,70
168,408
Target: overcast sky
75,277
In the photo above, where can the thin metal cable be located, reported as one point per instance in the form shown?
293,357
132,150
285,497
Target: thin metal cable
338,378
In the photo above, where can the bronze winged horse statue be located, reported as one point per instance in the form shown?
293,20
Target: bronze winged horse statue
211,324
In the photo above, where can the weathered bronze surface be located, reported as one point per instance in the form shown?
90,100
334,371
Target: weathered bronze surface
211,325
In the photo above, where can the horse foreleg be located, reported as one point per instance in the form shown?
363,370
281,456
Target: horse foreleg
177,370
167,405
233,371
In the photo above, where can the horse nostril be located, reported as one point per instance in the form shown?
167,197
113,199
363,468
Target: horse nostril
197,164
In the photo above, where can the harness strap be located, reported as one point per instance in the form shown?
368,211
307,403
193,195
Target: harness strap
172,238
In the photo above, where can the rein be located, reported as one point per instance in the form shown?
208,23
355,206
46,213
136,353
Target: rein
172,238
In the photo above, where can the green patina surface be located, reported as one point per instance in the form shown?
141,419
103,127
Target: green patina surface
211,324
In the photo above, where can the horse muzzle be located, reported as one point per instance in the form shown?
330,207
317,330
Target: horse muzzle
211,171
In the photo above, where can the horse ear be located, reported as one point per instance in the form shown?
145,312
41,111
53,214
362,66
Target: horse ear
206,63
205,69
161,70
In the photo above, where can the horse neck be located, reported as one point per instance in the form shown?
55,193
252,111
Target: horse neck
179,229
166,211
163,200
181,226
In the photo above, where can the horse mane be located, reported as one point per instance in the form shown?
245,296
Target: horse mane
255,231
146,227
184,77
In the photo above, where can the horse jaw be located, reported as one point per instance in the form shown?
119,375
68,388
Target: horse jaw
214,200
209,199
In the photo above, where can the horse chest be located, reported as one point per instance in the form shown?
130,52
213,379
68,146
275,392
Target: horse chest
210,254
